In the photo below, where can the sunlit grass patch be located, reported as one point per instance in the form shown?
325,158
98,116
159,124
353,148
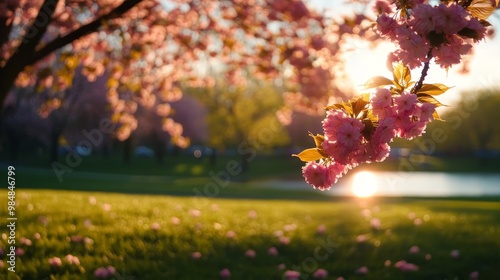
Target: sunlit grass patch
164,237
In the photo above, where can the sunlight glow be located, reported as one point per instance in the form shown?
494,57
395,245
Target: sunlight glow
364,184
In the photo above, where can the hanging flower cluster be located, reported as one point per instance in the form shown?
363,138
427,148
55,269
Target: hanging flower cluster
447,31
360,130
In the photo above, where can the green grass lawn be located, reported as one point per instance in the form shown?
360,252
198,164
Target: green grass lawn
154,236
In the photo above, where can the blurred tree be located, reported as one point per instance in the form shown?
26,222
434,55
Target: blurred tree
243,118
469,126
146,48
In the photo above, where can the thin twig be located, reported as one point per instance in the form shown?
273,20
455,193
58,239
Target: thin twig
420,82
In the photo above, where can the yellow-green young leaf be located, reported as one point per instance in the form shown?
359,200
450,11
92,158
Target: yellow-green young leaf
377,81
433,89
318,139
358,105
482,9
437,117
336,106
347,108
310,154
428,99
402,75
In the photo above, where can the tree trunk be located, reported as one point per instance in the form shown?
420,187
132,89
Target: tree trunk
127,149
14,142
159,150
54,145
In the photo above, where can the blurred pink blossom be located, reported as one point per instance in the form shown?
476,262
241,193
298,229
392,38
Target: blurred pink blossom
320,274
196,255
194,213
321,229
155,226
362,270
252,214
175,221
375,224
405,266
414,250
55,262
225,273
291,275
455,254
284,240
361,238
231,234
250,253
72,259
272,251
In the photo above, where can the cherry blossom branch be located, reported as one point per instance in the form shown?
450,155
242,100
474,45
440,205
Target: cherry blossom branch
425,70
33,35
82,31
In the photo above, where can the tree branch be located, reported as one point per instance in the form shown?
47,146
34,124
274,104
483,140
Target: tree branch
420,82
33,35
82,31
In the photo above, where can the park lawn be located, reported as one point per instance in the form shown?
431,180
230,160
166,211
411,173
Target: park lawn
103,229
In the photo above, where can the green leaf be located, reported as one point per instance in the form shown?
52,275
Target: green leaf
310,154
422,97
402,75
433,89
377,81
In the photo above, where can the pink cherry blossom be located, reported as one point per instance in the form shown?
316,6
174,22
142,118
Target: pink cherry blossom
386,25
194,213
195,255
449,19
382,7
414,250
320,274
405,266
231,234
321,229
375,223
284,240
474,275
455,254
225,273
362,270
272,251
72,259
250,253
175,221
155,226
252,214
318,175
291,275
334,119
423,19
55,262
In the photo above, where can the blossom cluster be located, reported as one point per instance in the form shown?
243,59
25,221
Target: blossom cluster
445,32
350,140
360,131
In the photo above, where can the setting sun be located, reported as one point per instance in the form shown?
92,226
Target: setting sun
364,184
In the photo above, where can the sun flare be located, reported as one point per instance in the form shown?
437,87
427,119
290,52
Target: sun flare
364,184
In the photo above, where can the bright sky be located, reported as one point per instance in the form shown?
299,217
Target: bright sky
364,63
